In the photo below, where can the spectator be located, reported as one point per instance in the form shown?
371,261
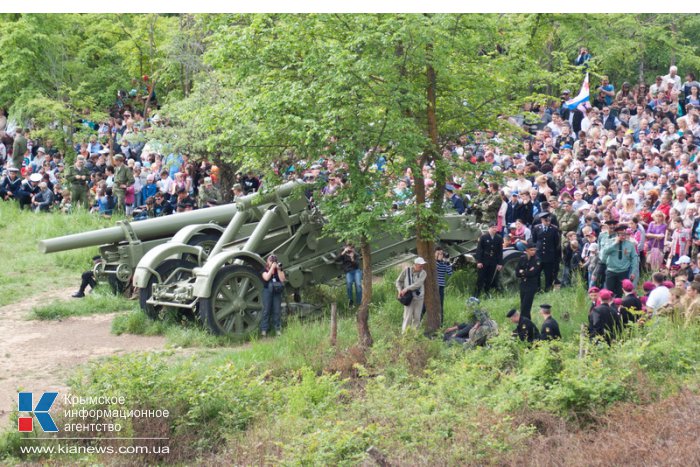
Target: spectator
273,290
660,296
350,263
411,281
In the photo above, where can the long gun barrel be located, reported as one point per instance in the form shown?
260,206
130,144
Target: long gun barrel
162,227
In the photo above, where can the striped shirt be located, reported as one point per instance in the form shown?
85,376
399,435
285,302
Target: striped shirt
444,269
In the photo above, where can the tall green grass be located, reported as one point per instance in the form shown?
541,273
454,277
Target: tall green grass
26,271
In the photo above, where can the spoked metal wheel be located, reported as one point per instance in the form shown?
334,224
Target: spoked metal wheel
171,270
509,281
206,241
236,302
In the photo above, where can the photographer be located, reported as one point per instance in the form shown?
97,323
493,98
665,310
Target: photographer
350,262
273,289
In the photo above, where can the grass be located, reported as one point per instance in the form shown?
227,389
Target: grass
297,400
101,301
26,271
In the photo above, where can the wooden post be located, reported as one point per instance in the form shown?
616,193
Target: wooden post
582,341
378,457
334,324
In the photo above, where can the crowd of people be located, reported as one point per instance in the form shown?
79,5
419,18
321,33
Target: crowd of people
598,194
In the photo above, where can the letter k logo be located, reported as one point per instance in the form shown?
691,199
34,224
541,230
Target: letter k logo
41,411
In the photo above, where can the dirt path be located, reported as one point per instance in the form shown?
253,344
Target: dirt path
39,355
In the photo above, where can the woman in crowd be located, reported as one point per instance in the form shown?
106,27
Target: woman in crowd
656,235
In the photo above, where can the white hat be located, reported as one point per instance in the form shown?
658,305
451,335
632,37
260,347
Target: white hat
419,260
41,150
683,260
35,177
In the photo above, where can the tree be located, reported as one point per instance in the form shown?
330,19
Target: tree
406,84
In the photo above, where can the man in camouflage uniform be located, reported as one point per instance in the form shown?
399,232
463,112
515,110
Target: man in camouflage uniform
78,177
476,332
123,178
19,147
483,330
492,203
476,204
568,220
208,194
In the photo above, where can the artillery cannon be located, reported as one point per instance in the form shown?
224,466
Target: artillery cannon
123,246
224,285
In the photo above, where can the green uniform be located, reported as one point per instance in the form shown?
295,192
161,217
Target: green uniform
493,204
477,206
78,185
208,193
568,221
122,176
19,147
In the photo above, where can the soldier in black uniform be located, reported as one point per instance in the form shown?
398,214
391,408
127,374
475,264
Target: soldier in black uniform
10,184
528,271
489,259
550,327
548,241
601,319
525,329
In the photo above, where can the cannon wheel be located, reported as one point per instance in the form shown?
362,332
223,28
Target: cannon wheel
509,281
166,268
206,241
235,305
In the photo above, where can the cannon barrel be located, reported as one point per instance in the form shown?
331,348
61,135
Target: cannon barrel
162,227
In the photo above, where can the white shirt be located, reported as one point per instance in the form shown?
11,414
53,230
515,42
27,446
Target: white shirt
680,206
676,80
658,297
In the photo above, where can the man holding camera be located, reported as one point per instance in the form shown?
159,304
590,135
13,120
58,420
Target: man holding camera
350,262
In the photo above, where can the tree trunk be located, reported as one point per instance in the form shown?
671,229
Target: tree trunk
334,324
424,243
363,335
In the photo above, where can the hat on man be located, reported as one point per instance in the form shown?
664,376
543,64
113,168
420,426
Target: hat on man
668,284
546,306
80,158
493,224
593,290
511,312
13,169
207,180
606,294
610,222
627,285
544,215
97,258
530,244
419,260
514,193
236,186
568,202
41,150
103,151
648,286
118,157
683,260
513,225
35,177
